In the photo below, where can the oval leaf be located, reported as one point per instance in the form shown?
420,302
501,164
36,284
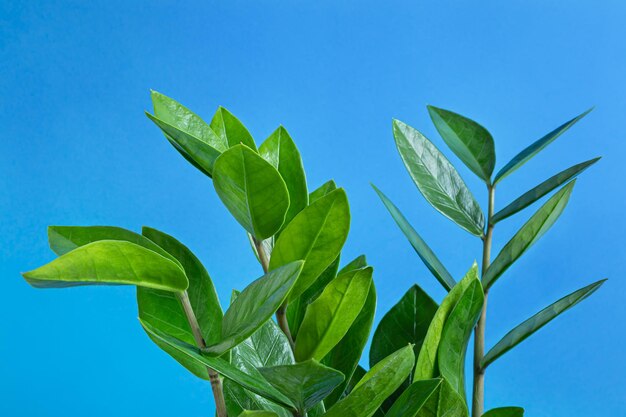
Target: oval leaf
505,412
429,398
322,190
230,130
257,413
437,179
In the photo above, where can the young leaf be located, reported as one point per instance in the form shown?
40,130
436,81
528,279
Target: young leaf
536,322
330,316
230,130
280,151
437,179
456,334
429,398
322,190
376,385
427,359
357,263
252,190
505,412
254,306
427,256
471,142
523,157
305,384
542,189
530,232
316,235
110,262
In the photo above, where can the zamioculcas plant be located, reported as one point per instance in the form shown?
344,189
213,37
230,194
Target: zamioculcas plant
440,333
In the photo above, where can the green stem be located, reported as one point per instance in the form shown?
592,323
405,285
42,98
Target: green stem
214,377
478,398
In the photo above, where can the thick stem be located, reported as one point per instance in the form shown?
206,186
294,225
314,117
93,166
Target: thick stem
214,378
478,398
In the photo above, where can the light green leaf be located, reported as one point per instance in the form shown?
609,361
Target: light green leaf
330,316
426,365
257,413
427,256
305,384
375,386
254,306
542,189
280,151
532,150
471,142
437,179
456,334
230,129
322,190
530,232
357,263
110,262
429,398
536,322
505,412
316,235
252,190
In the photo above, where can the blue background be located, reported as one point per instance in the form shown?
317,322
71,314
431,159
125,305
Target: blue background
77,149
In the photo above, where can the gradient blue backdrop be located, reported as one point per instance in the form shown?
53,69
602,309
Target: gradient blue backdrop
77,149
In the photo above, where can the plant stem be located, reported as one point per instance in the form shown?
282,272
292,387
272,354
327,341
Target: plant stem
478,398
214,377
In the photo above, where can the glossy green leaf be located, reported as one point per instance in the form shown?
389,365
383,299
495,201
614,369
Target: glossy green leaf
252,190
536,322
357,263
437,179
358,374
257,413
471,142
110,262
456,334
254,306
426,365
530,232
532,150
305,384
429,398
375,386
316,235
542,189
280,151
230,130
427,256
252,383
322,190
330,316
505,412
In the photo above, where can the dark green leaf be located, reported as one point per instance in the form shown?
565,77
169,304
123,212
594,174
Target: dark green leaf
530,232
252,190
230,129
427,256
505,412
257,413
280,151
316,235
330,316
471,142
437,179
542,189
429,398
536,322
322,190
523,157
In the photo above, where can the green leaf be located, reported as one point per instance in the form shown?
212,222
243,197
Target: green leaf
437,179
532,150
252,383
110,262
456,334
254,306
305,384
230,129
257,413
426,365
471,142
330,316
536,322
530,232
252,190
316,235
280,151
346,354
357,263
429,398
427,256
375,386
322,190
505,412
542,189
